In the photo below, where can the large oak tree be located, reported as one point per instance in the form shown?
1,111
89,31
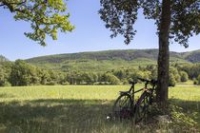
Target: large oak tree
175,19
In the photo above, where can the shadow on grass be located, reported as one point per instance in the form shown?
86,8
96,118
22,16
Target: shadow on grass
187,114
186,104
72,116
4,95
53,116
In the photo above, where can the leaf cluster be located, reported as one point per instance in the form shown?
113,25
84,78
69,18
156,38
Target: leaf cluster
185,20
45,16
120,16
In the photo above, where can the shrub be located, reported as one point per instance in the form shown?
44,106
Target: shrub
198,80
195,82
184,76
172,80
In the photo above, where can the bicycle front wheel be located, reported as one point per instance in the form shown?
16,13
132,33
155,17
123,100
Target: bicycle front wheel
122,107
141,107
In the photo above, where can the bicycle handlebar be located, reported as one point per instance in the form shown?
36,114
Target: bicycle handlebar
132,82
153,81
143,80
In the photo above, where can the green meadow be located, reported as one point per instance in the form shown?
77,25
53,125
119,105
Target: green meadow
83,109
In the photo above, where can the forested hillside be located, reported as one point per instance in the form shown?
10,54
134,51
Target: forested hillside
101,55
192,56
104,68
108,60
127,55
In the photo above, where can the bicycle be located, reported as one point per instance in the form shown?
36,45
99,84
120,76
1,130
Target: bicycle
126,108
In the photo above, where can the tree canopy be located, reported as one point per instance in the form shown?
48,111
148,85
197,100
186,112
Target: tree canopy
121,15
46,17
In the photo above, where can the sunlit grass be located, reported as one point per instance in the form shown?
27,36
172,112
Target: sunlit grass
60,92
185,92
83,109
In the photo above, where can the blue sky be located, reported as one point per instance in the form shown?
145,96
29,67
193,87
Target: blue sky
89,35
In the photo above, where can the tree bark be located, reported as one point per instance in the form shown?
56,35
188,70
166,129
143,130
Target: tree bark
163,55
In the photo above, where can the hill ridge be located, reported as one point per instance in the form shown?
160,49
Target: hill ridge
101,55
129,54
109,59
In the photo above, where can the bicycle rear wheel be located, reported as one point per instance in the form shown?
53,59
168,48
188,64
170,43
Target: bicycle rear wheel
141,107
123,107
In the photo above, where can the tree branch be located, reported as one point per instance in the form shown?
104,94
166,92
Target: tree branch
10,4
12,9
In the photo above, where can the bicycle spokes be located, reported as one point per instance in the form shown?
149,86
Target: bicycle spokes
123,107
142,107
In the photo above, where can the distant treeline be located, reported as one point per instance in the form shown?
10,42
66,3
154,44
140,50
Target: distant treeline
20,73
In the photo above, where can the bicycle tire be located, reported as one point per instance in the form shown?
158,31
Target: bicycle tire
123,107
141,107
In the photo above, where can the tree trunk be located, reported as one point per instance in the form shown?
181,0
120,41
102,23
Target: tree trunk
163,55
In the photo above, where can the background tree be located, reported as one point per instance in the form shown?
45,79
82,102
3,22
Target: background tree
5,69
184,76
198,80
45,16
111,79
177,20
22,74
193,70
172,80
3,77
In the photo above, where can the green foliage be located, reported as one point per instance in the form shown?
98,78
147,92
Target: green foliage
46,17
3,77
172,80
110,79
198,80
111,60
193,56
193,70
175,73
120,17
184,76
5,69
183,120
22,74
147,55
195,82
176,76
91,71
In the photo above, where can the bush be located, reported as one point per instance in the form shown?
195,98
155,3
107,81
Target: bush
184,76
110,79
198,80
65,83
172,80
175,74
195,82
51,83
6,83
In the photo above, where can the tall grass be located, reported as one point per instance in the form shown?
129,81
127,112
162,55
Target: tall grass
83,109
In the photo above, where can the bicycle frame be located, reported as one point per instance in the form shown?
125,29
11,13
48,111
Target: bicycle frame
124,110
132,91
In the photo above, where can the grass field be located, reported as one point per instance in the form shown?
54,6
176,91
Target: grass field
83,109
